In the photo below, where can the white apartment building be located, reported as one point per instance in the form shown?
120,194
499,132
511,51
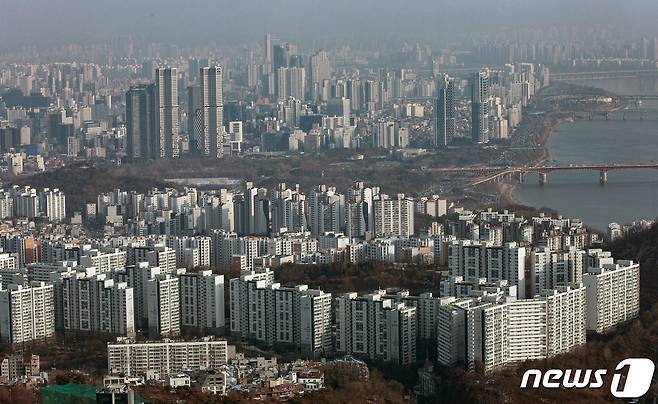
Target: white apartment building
433,206
240,290
507,263
550,269
202,301
474,260
502,331
374,327
277,315
103,261
393,216
427,311
44,272
137,277
158,256
565,318
94,303
27,313
380,250
466,258
315,323
191,252
163,305
53,204
451,331
129,358
526,330
613,295
7,261
487,336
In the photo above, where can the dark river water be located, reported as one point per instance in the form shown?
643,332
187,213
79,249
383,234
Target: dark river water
628,195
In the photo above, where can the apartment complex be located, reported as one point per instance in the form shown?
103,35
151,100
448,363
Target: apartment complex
613,295
375,327
130,358
27,313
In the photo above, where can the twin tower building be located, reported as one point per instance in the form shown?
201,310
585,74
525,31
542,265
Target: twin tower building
445,122
152,114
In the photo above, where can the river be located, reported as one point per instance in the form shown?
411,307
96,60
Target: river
628,195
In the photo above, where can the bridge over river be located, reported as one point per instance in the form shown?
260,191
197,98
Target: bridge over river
494,174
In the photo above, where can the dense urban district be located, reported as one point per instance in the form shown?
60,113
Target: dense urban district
274,222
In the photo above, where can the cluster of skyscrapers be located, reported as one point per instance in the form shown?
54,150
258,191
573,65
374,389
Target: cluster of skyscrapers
152,116
496,100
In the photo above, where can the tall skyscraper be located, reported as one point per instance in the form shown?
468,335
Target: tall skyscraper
268,50
282,83
193,69
166,83
140,122
194,122
297,82
320,69
480,107
387,135
444,113
212,107
340,107
291,82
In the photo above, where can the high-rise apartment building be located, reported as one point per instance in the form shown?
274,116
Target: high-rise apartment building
53,204
137,277
94,303
475,260
613,295
360,210
291,83
325,207
550,269
320,70
130,358
393,216
202,301
444,113
386,135
492,331
374,327
241,290
167,127
277,315
27,313
288,210
480,107
163,305
142,142
194,119
212,112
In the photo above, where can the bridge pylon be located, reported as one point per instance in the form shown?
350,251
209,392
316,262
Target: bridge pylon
603,177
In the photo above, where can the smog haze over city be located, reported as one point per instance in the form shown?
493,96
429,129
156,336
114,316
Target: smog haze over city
328,201
32,21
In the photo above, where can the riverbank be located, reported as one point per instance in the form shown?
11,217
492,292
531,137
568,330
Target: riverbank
550,122
505,190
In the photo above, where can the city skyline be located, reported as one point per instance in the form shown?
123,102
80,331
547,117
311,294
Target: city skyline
421,19
368,201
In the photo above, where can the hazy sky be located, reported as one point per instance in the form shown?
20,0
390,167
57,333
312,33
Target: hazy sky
67,20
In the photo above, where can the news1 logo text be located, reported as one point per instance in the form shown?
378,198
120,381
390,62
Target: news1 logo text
635,384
